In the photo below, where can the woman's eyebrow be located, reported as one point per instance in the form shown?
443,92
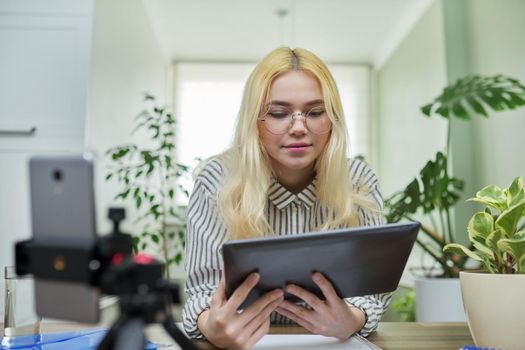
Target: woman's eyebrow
288,104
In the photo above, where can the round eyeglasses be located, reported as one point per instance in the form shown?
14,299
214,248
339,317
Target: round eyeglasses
279,120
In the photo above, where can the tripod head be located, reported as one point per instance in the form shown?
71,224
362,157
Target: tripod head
144,296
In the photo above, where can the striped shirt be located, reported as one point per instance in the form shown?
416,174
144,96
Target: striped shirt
287,214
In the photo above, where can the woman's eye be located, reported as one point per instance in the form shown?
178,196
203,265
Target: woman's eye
316,112
278,114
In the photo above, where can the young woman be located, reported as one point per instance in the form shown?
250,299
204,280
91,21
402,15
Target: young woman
287,173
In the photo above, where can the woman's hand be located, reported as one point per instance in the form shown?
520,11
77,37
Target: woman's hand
332,317
224,327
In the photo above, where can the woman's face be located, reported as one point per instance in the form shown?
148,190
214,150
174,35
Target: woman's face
294,151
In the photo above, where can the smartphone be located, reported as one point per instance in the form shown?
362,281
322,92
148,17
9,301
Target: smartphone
63,211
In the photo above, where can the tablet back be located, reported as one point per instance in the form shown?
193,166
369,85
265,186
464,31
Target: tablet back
358,261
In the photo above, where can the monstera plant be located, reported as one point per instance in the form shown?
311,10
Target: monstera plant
434,192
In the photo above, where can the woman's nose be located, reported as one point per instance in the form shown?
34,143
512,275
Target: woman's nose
298,123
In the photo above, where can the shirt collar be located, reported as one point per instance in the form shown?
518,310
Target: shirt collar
281,197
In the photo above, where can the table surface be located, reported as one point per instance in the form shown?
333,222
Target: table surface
388,336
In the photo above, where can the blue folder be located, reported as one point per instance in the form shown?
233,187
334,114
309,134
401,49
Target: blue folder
74,340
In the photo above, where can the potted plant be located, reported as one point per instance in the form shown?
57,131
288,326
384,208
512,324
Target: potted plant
493,297
148,177
434,193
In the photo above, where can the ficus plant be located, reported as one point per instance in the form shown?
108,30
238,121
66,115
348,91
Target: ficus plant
497,234
434,192
148,177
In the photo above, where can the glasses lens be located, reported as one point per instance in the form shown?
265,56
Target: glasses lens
317,120
277,119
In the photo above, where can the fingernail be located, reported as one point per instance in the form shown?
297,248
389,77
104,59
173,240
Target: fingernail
315,277
255,276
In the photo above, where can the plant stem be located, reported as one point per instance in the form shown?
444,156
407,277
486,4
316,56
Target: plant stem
447,271
164,222
442,224
433,234
451,235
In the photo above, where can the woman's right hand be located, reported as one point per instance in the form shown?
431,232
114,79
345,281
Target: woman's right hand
225,328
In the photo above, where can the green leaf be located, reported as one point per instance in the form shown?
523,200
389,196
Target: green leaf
456,248
178,258
493,239
508,219
138,202
426,109
109,176
492,196
476,106
155,238
515,191
497,92
171,193
459,111
123,194
514,247
135,241
481,225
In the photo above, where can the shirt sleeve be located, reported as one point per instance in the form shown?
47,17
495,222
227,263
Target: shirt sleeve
366,182
205,234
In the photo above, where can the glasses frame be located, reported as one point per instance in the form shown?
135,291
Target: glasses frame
293,116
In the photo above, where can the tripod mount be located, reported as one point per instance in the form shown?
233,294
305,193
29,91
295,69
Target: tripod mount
145,297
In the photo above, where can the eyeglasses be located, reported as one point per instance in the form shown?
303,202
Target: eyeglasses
279,120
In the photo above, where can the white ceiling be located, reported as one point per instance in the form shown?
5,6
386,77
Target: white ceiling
356,31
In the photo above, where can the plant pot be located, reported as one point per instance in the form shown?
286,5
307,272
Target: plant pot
495,309
438,300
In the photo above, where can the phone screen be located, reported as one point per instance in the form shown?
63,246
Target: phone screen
63,210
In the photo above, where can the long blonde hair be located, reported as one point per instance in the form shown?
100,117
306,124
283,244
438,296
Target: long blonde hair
243,197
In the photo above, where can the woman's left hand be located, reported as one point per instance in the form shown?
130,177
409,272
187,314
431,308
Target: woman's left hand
331,317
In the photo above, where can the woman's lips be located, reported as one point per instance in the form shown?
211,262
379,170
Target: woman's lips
297,147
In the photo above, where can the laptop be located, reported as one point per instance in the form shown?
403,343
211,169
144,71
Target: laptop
358,261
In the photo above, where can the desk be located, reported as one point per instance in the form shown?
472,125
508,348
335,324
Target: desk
388,336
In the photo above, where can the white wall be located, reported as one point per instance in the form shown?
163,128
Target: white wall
413,76
126,62
406,139
496,35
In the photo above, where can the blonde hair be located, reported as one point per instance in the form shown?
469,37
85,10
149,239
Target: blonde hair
243,197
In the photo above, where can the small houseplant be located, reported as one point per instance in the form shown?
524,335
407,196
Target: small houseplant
148,176
493,298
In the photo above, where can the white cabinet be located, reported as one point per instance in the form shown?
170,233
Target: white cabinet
45,51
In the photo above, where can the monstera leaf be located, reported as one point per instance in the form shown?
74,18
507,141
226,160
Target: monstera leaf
473,94
432,189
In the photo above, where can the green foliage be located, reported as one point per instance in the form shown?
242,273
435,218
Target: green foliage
474,93
148,179
433,192
497,234
406,307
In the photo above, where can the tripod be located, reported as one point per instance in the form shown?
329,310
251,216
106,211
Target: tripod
145,298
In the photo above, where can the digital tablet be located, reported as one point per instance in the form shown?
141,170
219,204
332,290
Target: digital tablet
358,261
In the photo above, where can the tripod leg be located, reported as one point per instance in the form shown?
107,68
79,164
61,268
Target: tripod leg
109,339
131,335
177,335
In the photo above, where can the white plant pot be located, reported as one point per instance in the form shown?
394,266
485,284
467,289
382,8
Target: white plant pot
439,300
495,308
